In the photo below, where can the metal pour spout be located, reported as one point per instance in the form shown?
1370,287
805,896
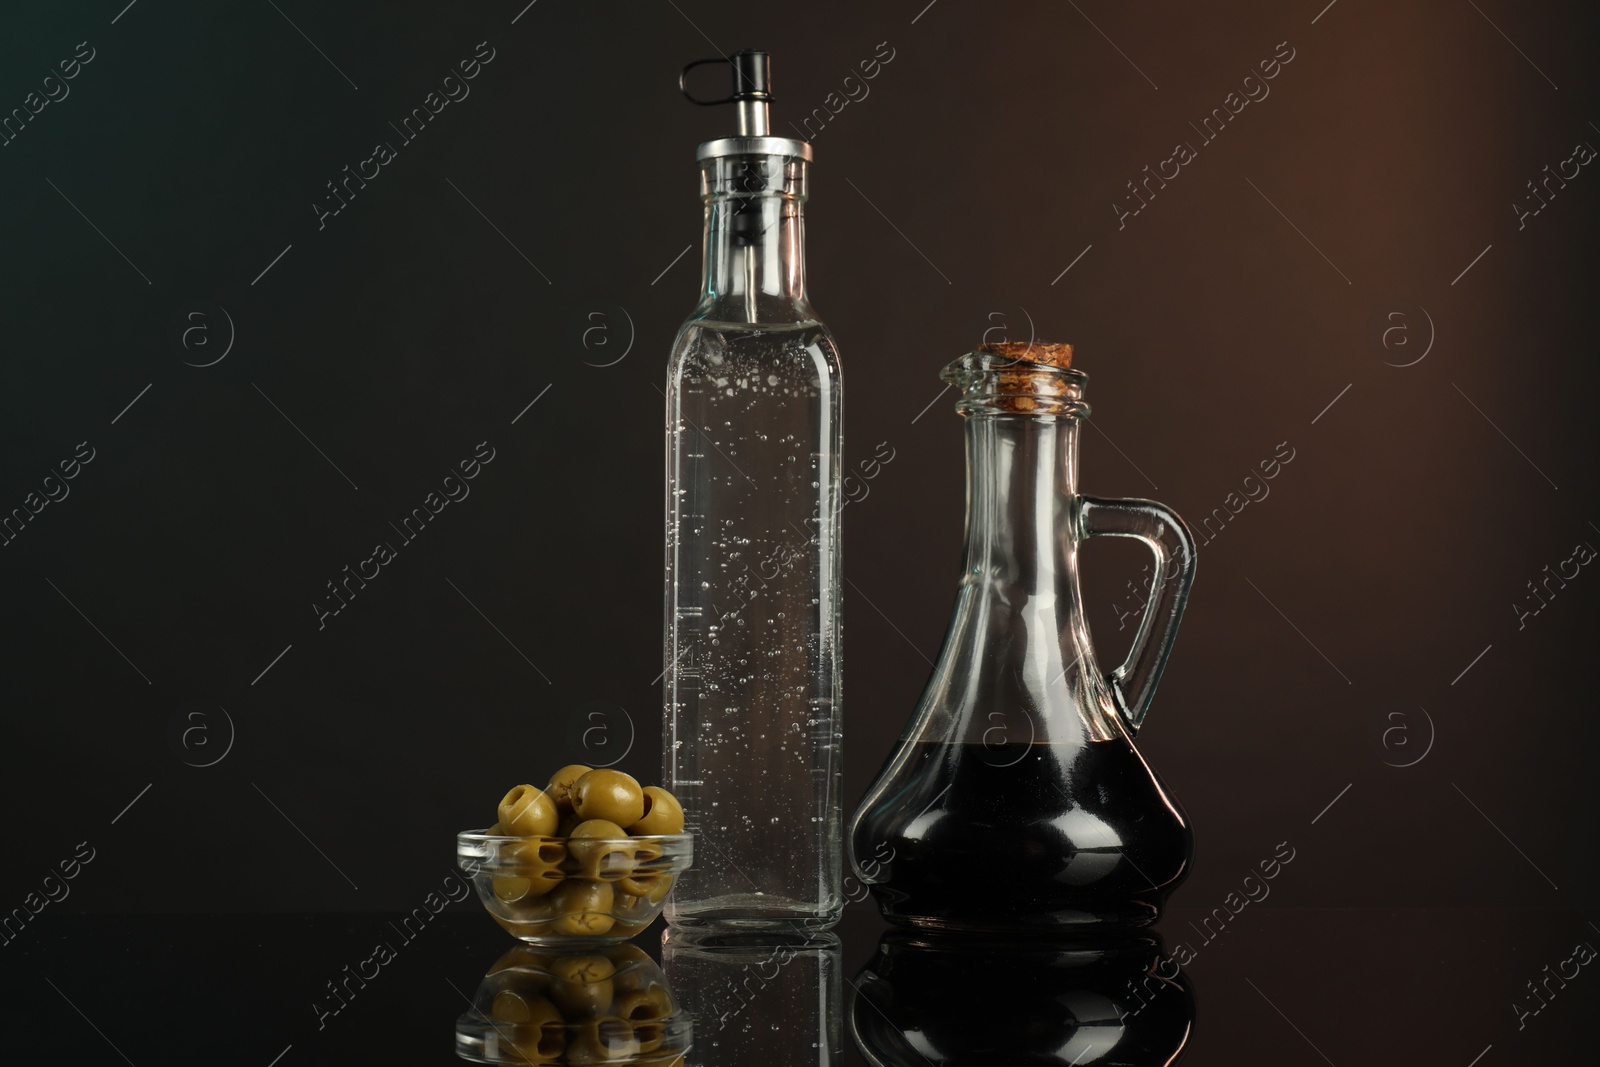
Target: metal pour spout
752,78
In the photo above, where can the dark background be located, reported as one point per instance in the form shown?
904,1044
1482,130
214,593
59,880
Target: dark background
522,251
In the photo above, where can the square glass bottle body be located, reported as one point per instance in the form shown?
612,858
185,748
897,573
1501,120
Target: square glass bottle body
751,690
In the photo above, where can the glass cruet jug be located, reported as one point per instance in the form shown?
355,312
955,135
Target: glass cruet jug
1016,798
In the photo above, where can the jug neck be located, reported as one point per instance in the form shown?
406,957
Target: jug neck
1022,476
754,240
1018,666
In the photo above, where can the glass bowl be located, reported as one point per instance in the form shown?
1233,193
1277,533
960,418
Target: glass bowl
603,1004
560,890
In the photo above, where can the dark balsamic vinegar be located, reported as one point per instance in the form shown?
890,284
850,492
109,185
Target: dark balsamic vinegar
1043,836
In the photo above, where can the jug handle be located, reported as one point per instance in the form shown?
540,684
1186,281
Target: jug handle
1168,537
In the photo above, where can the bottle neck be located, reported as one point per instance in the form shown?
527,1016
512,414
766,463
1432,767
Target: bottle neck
754,242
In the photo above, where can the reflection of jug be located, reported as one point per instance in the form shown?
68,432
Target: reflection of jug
1016,797
1115,1002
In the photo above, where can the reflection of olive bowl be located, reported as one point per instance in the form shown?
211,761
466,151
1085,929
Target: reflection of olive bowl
561,891
551,1008
1088,1003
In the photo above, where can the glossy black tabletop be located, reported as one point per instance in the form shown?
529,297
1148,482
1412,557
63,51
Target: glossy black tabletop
1266,985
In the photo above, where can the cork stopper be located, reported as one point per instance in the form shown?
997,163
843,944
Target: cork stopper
1019,378
1043,353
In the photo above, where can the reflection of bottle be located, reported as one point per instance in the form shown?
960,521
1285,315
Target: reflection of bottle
1017,797
752,552
602,1004
754,1000
1087,1003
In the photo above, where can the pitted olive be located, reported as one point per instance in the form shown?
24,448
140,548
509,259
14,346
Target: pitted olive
608,794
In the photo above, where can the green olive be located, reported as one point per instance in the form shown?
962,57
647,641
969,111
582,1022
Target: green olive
663,887
611,795
532,867
528,812
509,889
560,787
534,857
599,850
644,872
582,908
637,887
530,927
518,900
583,985
662,814
632,910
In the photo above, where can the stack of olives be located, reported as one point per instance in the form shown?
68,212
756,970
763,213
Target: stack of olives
610,1006
586,865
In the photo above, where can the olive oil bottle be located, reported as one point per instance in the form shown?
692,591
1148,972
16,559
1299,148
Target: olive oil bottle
751,687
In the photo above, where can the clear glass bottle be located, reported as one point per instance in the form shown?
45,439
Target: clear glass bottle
751,701
1017,799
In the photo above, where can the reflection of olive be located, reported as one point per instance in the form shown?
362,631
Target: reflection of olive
528,812
635,970
629,959
645,1005
599,849
608,794
650,1036
644,1010
539,1034
583,908
522,956
583,985
602,1041
560,787
662,813
518,1006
